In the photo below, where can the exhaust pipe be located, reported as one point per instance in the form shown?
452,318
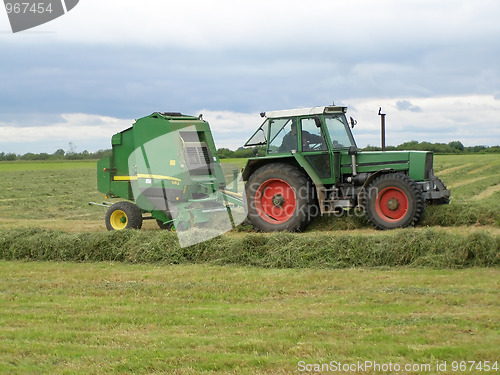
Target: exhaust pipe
382,127
353,152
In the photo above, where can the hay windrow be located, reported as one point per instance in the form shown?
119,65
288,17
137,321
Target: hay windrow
408,247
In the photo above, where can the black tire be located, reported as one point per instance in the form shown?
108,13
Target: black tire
278,198
164,226
123,215
393,200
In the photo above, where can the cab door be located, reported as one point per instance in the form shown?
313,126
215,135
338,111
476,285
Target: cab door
314,148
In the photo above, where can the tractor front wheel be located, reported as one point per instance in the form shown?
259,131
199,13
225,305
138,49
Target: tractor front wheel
393,200
123,215
278,198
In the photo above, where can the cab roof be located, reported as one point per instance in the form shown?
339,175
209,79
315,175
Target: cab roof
304,111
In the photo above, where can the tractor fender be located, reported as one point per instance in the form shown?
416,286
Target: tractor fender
368,182
253,164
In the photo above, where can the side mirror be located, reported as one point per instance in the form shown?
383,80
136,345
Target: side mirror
317,121
255,151
352,150
353,122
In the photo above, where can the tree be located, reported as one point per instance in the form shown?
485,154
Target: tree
8,157
457,145
224,153
60,152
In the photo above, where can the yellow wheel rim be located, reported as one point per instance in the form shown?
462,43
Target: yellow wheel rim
118,220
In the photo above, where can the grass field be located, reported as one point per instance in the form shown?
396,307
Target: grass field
246,302
111,317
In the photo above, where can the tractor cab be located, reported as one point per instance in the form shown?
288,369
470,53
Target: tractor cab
312,138
320,129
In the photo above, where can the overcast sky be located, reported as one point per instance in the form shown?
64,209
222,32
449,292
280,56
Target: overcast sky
433,67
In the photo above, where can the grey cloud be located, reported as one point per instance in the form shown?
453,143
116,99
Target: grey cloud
132,80
30,119
406,105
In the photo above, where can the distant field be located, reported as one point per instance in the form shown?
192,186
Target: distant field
55,195
48,193
474,181
240,163
7,166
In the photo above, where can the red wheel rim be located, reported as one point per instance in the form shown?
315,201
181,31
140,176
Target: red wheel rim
275,201
391,204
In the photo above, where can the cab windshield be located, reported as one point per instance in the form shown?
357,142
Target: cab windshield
259,137
339,131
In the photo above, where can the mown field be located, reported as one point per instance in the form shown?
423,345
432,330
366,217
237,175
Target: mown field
119,318
75,298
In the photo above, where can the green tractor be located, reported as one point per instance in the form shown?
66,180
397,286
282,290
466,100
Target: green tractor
312,167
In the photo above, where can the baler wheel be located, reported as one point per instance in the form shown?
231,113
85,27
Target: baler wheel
169,226
123,215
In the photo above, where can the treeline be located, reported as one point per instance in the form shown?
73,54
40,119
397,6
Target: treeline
455,147
225,153
58,155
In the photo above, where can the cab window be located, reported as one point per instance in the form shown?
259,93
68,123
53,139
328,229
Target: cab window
282,135
340,135
311,137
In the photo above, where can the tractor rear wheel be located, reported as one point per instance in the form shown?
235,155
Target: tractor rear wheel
123,215
393,200
278,198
